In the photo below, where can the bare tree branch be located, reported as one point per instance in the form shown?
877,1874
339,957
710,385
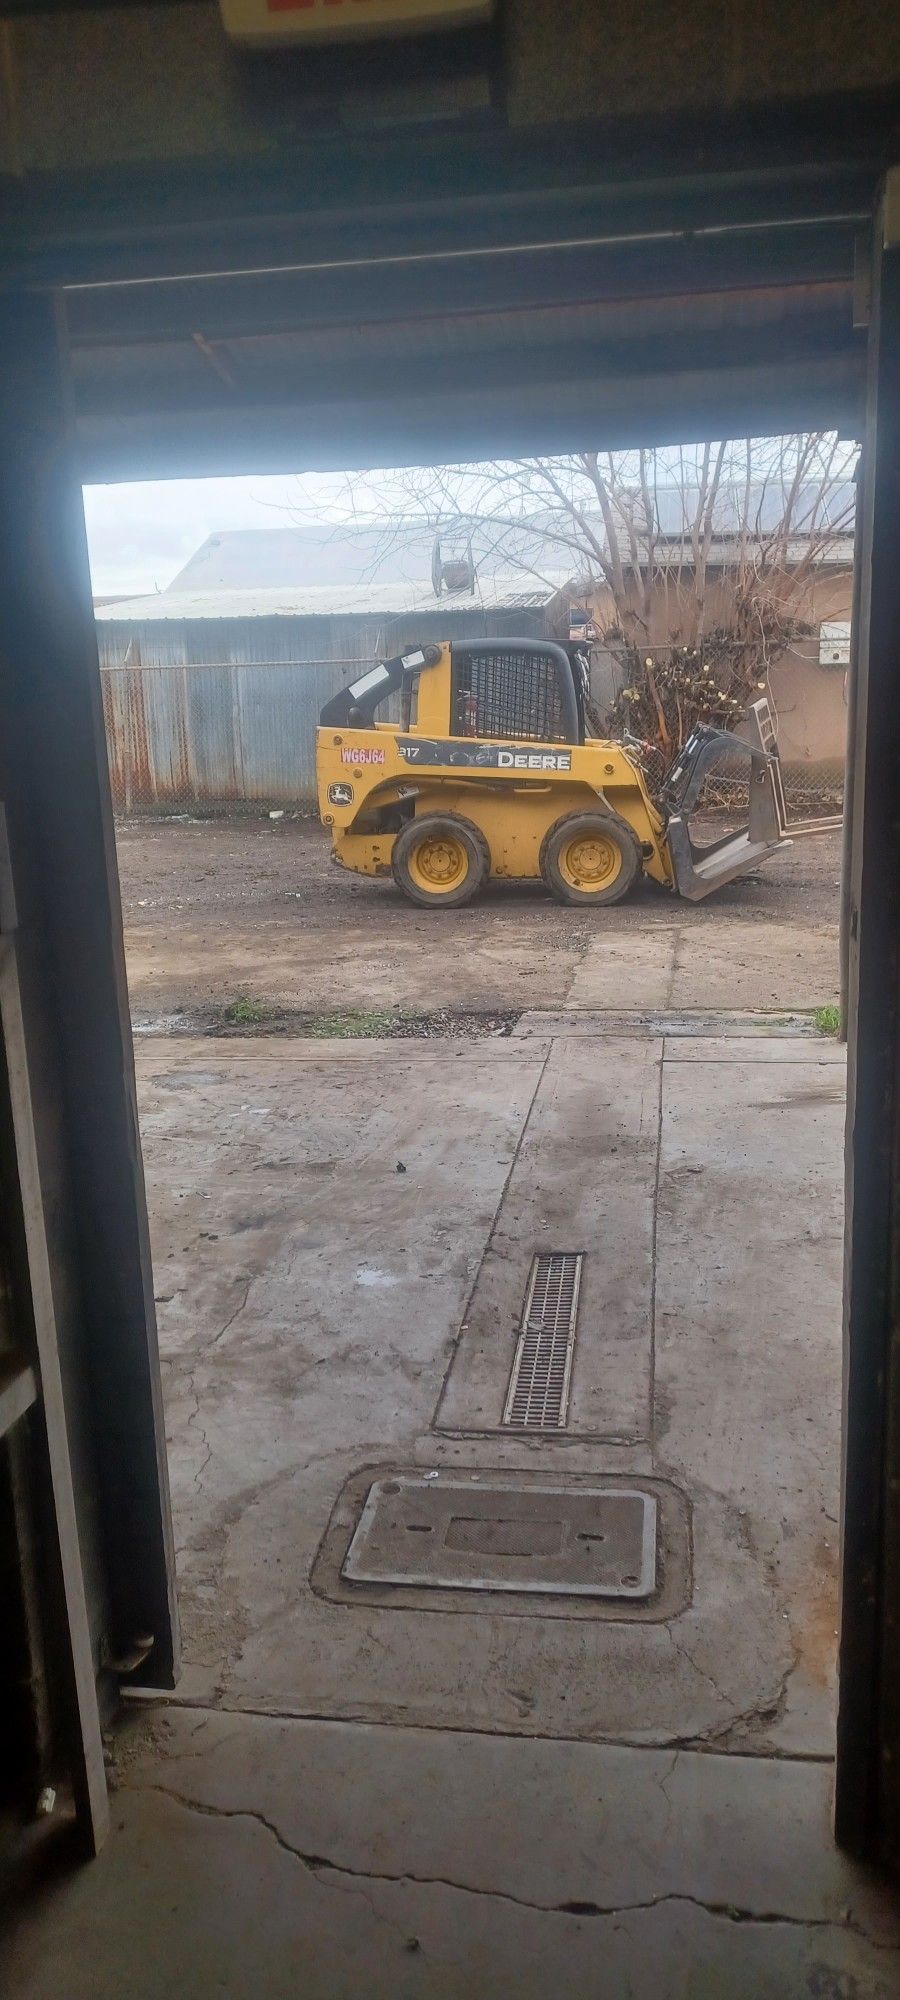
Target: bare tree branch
702,588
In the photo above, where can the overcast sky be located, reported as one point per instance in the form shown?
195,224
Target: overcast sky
139,536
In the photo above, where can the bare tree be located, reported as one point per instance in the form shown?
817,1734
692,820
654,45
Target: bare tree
696,564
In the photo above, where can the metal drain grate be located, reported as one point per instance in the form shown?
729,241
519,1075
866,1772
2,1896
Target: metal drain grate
538,1395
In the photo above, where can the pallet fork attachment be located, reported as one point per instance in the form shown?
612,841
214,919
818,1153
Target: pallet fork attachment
700,870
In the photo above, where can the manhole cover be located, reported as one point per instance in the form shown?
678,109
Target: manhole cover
454,1534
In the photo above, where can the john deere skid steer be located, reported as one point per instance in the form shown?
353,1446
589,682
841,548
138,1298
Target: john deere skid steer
489,772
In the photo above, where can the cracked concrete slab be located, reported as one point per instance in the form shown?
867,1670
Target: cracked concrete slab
252,1855
579,1813
747,1383
310,1298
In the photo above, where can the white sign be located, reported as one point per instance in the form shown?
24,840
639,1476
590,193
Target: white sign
266,23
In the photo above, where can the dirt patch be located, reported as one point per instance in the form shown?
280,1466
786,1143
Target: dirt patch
246,1019
227,911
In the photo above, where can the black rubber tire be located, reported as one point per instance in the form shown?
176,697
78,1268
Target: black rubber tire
582,825
433,826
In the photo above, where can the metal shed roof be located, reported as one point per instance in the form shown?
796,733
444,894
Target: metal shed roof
328,601
304,553
336,554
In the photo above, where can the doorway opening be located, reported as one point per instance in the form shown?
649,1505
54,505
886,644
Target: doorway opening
366,1123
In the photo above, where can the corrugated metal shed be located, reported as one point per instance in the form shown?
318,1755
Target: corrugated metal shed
211,700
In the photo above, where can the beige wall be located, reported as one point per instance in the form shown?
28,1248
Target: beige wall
812,711
810,700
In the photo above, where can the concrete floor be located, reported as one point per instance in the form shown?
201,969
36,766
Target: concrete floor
560,1802
291,1860
311,1299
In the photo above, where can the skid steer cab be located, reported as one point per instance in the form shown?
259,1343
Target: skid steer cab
489,772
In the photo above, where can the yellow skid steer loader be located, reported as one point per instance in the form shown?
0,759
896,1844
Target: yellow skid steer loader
489,772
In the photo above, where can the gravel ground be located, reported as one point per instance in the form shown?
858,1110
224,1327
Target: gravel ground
253,913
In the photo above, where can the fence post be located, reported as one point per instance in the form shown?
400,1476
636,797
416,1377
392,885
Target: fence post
128,733
237,742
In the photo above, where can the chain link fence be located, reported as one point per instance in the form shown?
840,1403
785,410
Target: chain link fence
809,794
813,792
231,737
217,737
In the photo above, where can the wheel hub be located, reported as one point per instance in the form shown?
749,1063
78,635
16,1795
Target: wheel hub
439,863
591,862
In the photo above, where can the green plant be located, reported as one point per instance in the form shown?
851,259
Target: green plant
353,1025
245,1012
828,1019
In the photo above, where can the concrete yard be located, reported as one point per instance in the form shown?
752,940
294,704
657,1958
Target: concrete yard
377,1790
321,1861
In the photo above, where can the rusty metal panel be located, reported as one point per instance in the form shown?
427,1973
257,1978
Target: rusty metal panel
216,737
211,734
138,765
218,715
158,741
112,687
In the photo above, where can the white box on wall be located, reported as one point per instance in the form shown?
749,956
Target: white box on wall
834,643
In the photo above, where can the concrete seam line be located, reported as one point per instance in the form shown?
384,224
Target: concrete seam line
490,1238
